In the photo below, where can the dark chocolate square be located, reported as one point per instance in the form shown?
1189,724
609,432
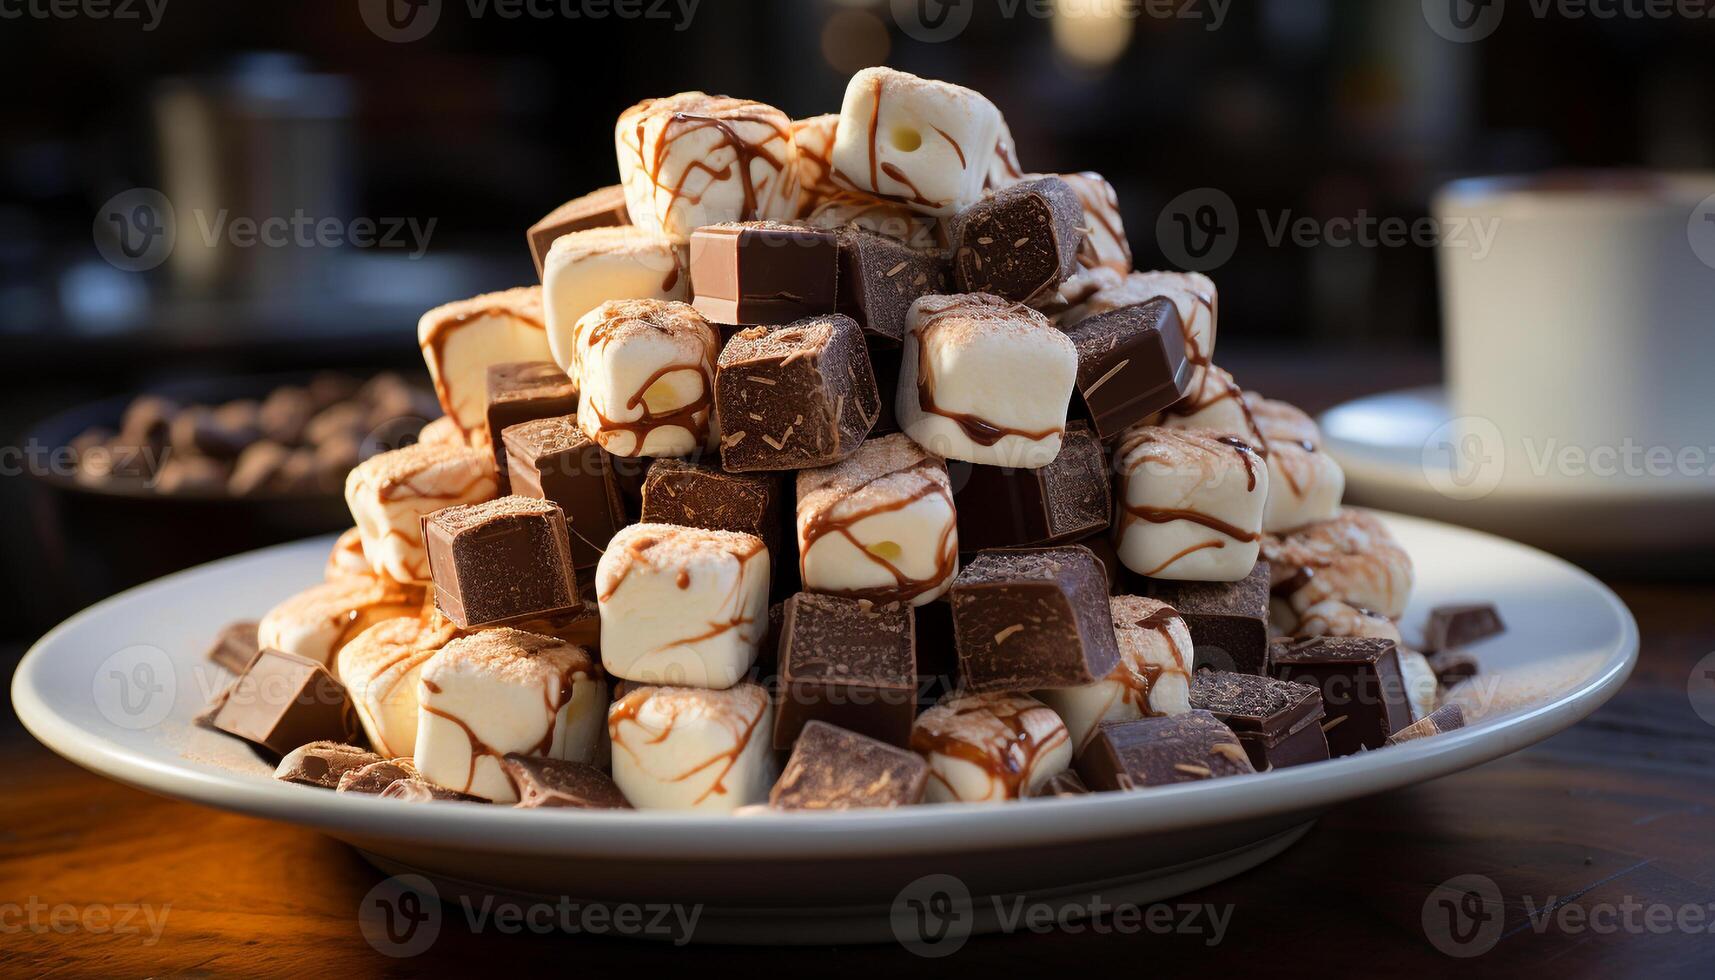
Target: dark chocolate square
1279,723
501,560
597,209
832,768
523,391
879,280
1033,618
794,397
1126,755
1458,625
848,662
1020,243
763,272
551,459
1004,507
676,491
1131,364
1363,693
282,701
1228,620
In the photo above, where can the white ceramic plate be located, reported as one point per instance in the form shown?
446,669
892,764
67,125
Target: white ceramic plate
115,689
1393,448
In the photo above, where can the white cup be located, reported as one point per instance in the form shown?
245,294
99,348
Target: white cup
1579,318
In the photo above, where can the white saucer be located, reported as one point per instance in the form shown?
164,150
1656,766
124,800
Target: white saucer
116,687
1405,451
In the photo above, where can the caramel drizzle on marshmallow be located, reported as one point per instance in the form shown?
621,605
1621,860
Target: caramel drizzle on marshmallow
745,152
994,755
905,587
979,430
628,708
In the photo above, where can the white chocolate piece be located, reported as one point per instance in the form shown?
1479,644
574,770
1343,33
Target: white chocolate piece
1153,676
1304,486
388,495
380,670
849,209
879,524
1021,741
347,560
813,152
682,606
985,380
1331,617
924,143
1421,687
585,269
1283,422
319,621
685,748
1191,504
1105,244
444,431
503,690
646,377
1352,558
692,159
460,340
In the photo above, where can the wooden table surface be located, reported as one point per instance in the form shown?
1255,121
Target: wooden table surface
1610,826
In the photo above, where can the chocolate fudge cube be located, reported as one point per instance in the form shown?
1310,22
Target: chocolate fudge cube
1033,618
794,397
1460,625
1279,723
561,783
1228,620
1363,693
1004,507
523,391
848,662
676,491
879,280
500,560
1127,755
763,272
1131,364
282,701
236,646
598,209
1021,243
551,459
832,768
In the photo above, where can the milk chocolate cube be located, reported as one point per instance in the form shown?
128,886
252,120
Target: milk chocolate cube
1460,625
1033,618
1127,755
282,701
1363,692
551,459
879,280
598,209
1228,620
848,662
1279,723
561,782
504,559
794,397
676,491
1021,243
835,769
763,272
237,644
1131,364
323,763
1070,498
523,391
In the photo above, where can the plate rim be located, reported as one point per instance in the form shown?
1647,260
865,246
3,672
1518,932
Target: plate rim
856,834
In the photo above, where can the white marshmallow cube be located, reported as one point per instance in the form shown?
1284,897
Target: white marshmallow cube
1153,676
813,150
692,159
388,495
1191,504
1105,244
319,621
585,269
924,143
503,690
1021,741
879,524
682,606
646,377
381,669
685,748
1352,558
460,340
1304,486
985,380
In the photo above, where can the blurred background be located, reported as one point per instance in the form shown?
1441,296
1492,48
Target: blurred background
415,140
